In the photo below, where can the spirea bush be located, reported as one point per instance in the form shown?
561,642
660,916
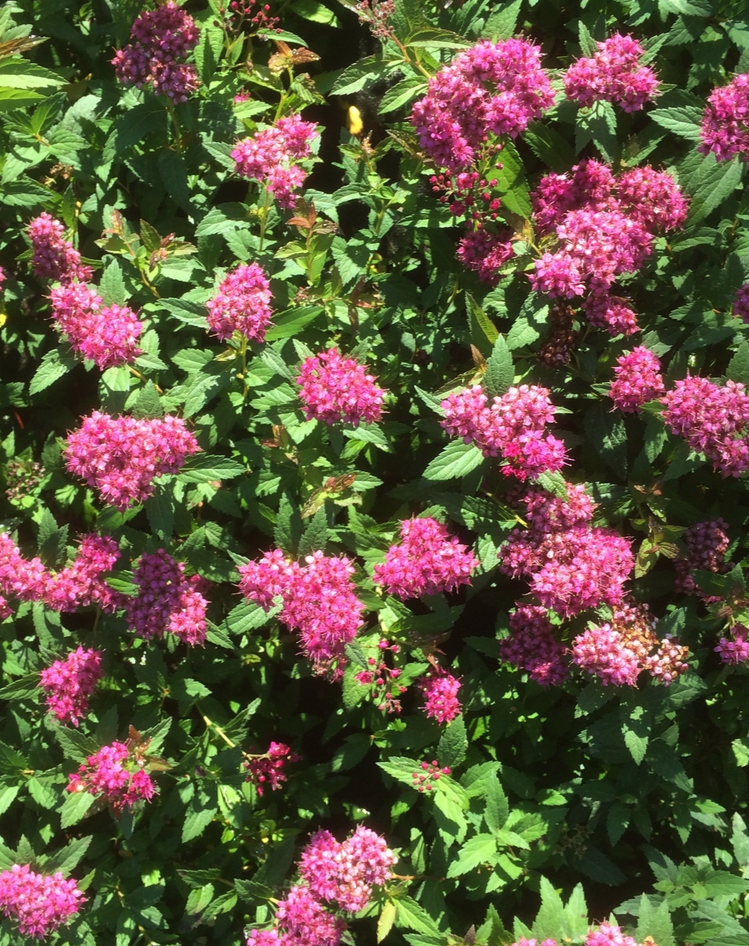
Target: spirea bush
373,457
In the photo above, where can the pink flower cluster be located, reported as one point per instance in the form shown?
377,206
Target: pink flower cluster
491,89
613,74
513,426
241,304
54,256
107,335
602,652
712,419
707,543
78,585
121,456
638,380
601,227
570,564
334,388
384,679
269,770
430,773
608,934
271,156
532,942
485,253
532,646
734,650
725,123
161,37
428,561
167,601
741,303
39,903
318,601
440,692
117,774
68,684
333,876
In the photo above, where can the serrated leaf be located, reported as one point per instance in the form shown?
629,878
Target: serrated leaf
112,285
453,744
738,366
197,819
497,807
206,468
684,121
55,365
480,849
655,922
501,24
149,404
715,181
483,332
315,536
413,916
386,919
402,93
500,372
456,459
75,808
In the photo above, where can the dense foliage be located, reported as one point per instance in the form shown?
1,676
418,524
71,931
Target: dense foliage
374,440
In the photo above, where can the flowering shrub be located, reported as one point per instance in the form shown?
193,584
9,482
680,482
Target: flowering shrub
373,459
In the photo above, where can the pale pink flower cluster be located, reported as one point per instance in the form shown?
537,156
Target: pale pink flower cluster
334,388
638,380
613,74
271,156
608,934
428,561
707,543
602,652
68,684
20,578
532,646
161,38
712,419
82,582
532,942
333,876
54,256
318,602
741,303
570,565
734,650
345,872
39,903
116,774
121,456
167,601
440,691
601,227
513,426
107,335
725,122
241,304
492,89
269,770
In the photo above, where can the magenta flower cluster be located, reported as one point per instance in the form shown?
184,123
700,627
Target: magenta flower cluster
117,775
38,903
160,37
269,770
167,600
513,426
602,652
427,561
532,646
241,304
121,456
599,228
492,89
734,649
69,683
440,692
570,564
319,603
107,335
337,389
725,122
712,419
485,253
741,303
54,257
613,74
271,156
638,380
334,876
707,543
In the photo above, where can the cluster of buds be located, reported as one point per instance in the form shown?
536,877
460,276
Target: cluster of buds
707,543
22,477
38,903
532,646
428,775
252,13
384,679
269,769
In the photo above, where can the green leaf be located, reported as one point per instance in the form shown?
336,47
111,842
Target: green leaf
456,459
21,689
315,536
205,468
413,916
75,808
453,744
500,372
501,24
69,857
655,922
684,121
483,332
480,849
112,285
497,807
386,919
55,365
511,181
314,11
149,404
551,915
356,77
402,93
290,323
738,366
289,527
197,818
715,181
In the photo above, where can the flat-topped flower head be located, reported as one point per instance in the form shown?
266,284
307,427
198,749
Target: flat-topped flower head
440,692
107,335
115,773
69,683
167,600
38,903
121,456
54,257
613,74
336,389
725,122
272,155
638,380
241,304
82,583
